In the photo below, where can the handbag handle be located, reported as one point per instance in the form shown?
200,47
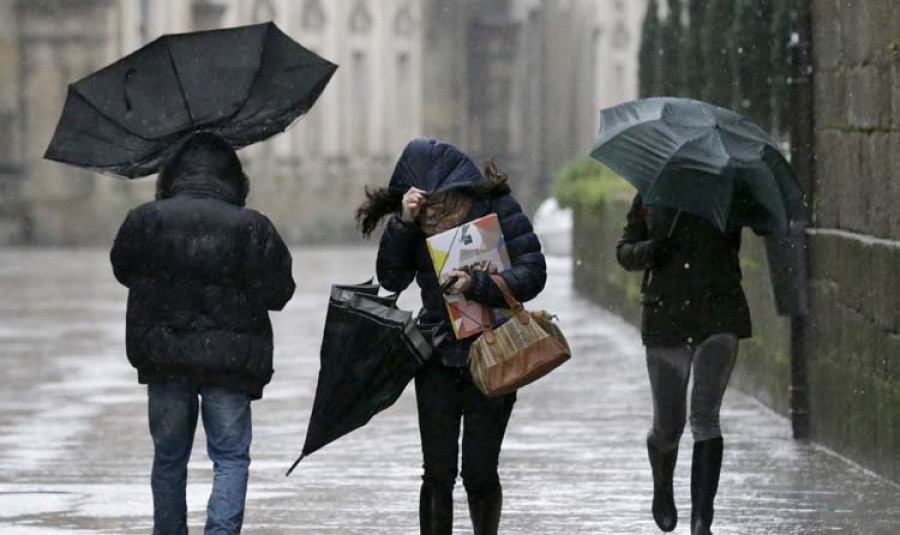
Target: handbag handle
514,305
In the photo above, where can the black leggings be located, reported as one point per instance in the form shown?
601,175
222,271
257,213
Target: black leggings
670,370
447,397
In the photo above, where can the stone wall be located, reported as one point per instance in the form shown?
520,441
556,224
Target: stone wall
854,330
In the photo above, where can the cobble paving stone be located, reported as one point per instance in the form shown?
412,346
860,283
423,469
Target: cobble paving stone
75,451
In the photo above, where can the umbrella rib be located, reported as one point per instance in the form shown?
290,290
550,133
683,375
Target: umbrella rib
113,121
663,167
187,106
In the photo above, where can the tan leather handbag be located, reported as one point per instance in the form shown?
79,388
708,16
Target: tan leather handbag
522,350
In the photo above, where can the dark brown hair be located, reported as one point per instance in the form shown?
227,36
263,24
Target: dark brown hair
381,202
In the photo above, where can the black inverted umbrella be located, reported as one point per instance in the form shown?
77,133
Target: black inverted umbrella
692,156
370,351
244,84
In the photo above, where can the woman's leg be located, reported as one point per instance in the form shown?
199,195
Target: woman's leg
440,409
484,426
670,370
713,363
172,411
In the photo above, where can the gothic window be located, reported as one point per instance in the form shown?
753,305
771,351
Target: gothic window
359,69
263,11
360,18
404,95
144,14
620,36
404,24
313,15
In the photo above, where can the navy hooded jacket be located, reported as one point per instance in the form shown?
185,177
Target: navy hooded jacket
437,167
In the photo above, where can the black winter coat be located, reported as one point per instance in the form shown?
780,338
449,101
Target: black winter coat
202,274
692,276
403,254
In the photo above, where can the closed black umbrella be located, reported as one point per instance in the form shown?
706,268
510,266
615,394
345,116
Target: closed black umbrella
370,351
244,84
692,156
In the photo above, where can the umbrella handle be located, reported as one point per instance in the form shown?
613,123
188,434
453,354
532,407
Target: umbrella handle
674,223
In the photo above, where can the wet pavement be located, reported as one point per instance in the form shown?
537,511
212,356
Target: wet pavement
75,452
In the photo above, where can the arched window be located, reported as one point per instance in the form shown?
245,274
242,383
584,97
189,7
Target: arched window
359,69
620,37
313,15
264,11
360,18
404,23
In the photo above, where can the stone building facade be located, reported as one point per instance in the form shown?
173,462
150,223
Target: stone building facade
351,138
521,81
517,80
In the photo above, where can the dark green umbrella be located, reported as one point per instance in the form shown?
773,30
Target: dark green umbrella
695,157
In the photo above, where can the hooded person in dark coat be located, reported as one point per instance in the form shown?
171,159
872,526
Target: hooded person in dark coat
436,187
694,314
202,272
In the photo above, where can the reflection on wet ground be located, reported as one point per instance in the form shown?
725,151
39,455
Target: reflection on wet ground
75,451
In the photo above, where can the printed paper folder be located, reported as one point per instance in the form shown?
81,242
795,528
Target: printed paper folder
475,245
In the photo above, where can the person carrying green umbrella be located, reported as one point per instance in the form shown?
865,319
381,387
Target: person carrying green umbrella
702,174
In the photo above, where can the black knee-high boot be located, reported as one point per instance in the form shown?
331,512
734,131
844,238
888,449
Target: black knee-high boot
436,509
705,470
663,465
484,509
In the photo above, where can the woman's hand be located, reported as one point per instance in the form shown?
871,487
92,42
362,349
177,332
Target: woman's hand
463,282
412,204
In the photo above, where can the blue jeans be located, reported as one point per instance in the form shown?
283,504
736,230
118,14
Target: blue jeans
173,410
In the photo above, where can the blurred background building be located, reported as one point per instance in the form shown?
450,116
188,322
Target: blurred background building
517,80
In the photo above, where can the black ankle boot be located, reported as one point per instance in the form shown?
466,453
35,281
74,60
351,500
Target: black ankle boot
663,465
705,469
485,512
435,510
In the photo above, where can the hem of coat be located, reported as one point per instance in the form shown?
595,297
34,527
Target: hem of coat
246,385
672,341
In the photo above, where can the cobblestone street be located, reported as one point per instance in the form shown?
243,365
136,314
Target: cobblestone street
75,451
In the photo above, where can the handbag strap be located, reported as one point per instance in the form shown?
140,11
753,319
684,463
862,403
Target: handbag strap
487,325
514,305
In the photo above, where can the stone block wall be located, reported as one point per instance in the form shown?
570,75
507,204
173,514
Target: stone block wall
853,332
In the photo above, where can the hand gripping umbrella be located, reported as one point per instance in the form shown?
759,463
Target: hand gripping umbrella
370,351
699,158
244,84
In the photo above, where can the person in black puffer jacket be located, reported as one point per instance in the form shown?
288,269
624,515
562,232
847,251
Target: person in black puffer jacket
694,314
202,272
436,187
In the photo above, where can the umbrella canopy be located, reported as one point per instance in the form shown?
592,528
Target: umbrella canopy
699,158
244,84
370,351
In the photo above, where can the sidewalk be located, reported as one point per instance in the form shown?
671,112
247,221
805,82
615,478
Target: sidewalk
75,451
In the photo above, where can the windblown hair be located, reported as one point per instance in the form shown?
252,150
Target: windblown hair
381,202
205,155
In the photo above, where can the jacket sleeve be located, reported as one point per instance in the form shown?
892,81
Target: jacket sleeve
528,274
635,251
274,282
395,265
127,249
